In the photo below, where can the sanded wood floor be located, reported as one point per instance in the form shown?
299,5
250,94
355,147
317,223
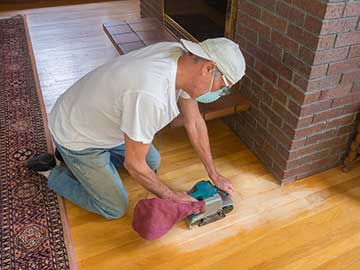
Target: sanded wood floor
310,224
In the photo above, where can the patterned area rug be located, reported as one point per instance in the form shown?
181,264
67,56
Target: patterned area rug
33,231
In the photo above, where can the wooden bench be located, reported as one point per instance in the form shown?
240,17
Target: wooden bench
131,35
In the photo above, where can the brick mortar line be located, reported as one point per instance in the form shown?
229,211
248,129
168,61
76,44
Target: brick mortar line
343,61
311,161
318,150
305,45
260,20
326,99
327,69
333,49
293,6
320,36
326,20
309,126
302,77
276,72
305,155
313,171
274,138
269,66
305,64
321,132
245,26
343,12
243,130
314,124
275,14
327,120
275,9
303,26
275,85
329,49
342,33
273,111
286,36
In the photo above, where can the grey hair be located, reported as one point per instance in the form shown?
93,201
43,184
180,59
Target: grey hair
217,72
198,59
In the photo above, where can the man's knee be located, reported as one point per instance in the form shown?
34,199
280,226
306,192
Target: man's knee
153,158
115,213
117,209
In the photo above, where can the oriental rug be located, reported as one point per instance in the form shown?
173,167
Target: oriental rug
33,226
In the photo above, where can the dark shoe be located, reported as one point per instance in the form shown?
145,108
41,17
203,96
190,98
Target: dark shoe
58,155
41,163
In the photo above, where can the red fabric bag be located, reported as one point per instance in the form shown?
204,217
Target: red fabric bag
155,217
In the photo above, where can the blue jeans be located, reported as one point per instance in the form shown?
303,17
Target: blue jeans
91,181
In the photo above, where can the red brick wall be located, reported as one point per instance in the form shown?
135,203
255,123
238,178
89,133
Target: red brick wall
303,79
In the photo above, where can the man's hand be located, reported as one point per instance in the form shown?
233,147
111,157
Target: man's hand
223,183
182,197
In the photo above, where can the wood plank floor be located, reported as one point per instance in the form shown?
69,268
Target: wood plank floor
310,224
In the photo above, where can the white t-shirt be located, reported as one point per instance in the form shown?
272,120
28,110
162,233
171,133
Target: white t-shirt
133,94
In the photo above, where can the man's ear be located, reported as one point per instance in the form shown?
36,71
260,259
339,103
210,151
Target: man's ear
207,68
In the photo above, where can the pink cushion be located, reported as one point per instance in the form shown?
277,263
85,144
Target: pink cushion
155,217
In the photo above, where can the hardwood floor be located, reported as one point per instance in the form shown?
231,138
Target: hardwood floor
310,224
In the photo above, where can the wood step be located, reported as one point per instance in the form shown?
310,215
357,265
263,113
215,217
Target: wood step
131,35
225,106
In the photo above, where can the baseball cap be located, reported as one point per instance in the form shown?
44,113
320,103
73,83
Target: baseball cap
223,52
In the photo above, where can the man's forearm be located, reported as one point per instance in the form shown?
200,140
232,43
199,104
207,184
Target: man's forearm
198,134
150,181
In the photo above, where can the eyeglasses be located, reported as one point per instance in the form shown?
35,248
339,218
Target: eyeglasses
227,89
224,91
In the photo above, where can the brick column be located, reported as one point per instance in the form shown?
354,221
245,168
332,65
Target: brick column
303,79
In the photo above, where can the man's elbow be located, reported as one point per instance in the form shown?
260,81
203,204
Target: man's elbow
135,167
130,167
192,122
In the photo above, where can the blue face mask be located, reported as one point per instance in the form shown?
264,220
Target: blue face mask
209,96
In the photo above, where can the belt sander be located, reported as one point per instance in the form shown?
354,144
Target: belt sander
217,204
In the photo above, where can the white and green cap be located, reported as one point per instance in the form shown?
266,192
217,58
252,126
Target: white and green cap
223,52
